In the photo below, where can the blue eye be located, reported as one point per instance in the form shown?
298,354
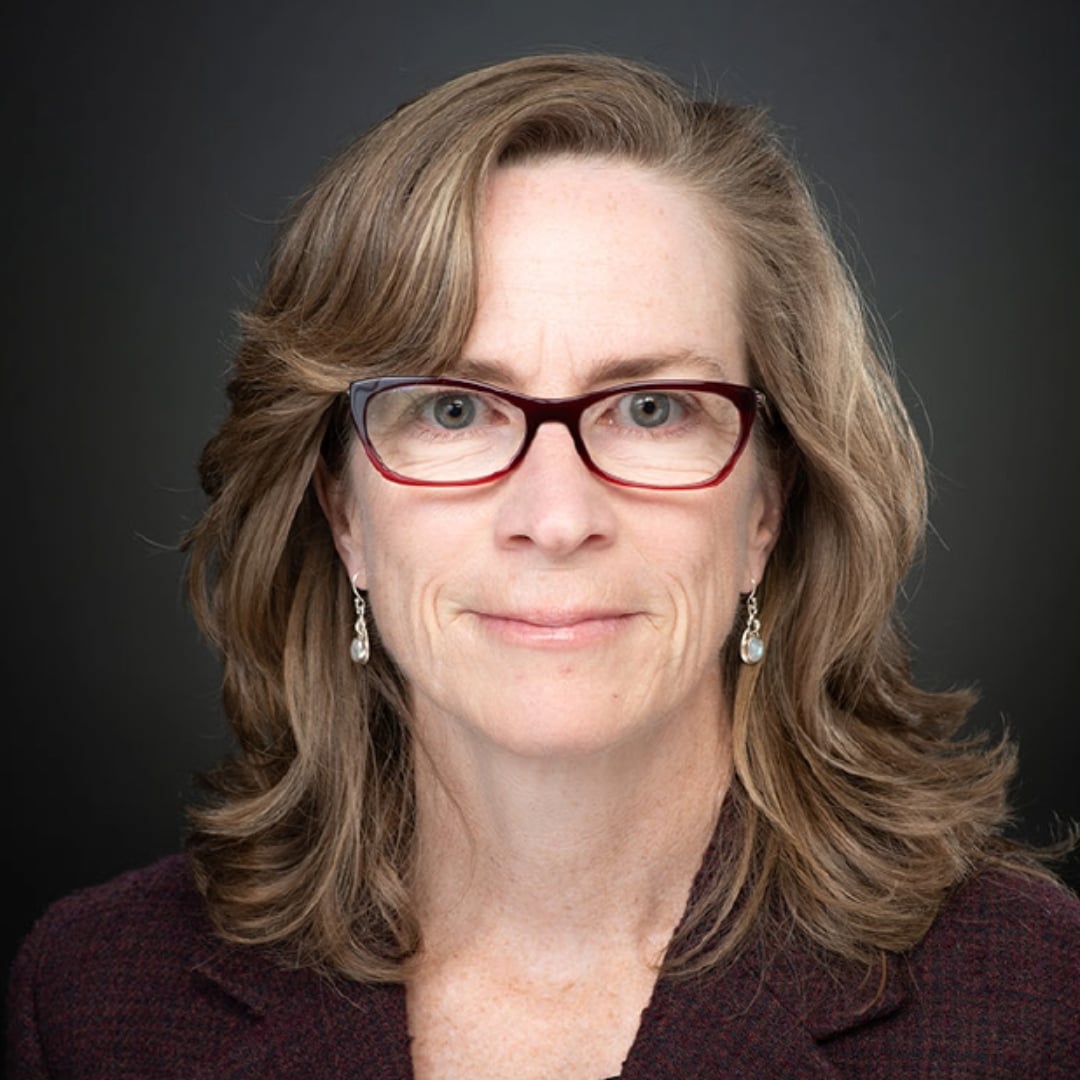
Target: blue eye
647,409
453,411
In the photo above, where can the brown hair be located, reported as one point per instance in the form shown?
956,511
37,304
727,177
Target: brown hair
855,812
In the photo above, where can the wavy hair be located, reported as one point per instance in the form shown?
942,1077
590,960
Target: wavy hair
854,809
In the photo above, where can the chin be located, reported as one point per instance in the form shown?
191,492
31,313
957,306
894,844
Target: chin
567,721
562,705
559,741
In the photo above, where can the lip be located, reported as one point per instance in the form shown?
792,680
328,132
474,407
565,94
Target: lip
555,629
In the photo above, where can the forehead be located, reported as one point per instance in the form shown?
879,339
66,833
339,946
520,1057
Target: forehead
588,264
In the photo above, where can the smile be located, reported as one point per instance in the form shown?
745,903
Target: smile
555,629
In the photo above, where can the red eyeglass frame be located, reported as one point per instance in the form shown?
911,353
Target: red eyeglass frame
566,411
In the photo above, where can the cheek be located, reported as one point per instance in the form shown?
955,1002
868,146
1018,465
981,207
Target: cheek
701,567
731,541
408,566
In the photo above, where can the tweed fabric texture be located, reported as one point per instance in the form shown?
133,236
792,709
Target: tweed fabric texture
126,980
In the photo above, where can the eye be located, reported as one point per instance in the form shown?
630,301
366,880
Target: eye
453,411
648,409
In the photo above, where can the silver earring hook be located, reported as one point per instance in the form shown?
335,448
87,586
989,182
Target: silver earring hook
751,647
360,646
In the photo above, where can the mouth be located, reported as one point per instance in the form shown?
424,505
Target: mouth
555,628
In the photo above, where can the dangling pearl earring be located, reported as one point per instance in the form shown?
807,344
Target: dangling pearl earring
359,647
751,647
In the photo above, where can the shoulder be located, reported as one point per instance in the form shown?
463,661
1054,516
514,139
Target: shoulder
1005,927
110,949
158,900
132,930
128,978
990,990
138,923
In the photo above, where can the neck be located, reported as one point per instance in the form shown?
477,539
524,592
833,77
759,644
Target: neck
564,855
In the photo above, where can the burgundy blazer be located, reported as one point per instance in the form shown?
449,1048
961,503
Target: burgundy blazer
126,980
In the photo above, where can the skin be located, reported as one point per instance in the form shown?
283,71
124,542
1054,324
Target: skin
561,635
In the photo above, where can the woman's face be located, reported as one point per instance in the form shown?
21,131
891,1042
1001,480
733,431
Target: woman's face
551,612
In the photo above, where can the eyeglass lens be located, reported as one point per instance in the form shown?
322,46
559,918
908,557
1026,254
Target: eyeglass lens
669,437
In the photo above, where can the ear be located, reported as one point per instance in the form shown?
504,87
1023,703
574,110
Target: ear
339,507
766,518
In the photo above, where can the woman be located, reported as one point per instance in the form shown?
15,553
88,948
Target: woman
553,540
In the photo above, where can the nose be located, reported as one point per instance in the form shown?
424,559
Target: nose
552,501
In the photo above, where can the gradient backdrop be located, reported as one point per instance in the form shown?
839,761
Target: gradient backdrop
149,150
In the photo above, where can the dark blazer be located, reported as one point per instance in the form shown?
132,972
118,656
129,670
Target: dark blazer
126,980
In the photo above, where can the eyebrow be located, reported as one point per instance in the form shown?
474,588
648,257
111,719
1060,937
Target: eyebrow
607,370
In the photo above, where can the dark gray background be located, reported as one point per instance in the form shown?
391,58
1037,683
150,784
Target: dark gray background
149,149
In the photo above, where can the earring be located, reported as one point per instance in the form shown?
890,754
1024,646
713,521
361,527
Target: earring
359,647
751,647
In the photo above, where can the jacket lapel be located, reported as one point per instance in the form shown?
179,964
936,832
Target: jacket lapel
753,1021
748,1021
297,1025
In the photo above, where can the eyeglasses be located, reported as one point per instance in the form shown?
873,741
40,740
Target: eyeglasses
450,432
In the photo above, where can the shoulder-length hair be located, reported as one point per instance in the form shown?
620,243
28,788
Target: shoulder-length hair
853,811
